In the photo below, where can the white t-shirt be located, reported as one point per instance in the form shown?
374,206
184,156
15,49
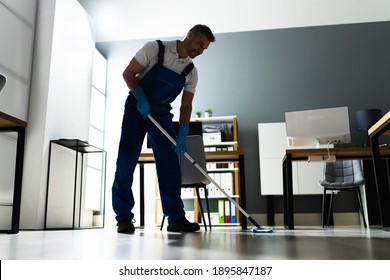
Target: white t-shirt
147,56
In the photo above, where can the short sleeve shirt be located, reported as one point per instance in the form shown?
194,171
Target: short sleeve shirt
147,57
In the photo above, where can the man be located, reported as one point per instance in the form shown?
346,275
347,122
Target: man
156,75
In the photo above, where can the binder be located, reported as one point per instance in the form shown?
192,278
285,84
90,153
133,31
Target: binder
227,211
211,186
233,217
217,179
228,183
221,211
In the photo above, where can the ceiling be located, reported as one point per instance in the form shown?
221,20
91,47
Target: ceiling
118,20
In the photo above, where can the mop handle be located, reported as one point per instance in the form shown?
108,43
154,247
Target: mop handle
198,166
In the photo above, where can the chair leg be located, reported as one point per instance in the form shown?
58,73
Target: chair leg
201,208
323,207
162,222
359,198
206,195
330,208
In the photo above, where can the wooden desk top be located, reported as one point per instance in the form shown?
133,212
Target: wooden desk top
342,153
210,156
379,126
9,121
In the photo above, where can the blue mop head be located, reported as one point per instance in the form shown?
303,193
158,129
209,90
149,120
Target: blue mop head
258,228
262,230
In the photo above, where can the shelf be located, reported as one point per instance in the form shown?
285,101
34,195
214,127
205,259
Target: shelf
227,224
222,170
75,191
77,145
223,197
218,119
227,143
234,183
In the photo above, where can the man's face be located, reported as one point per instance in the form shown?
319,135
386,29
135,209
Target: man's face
197,44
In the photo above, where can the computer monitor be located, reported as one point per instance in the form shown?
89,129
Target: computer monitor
319,126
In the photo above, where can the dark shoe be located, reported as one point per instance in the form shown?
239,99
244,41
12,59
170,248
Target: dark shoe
183,225
125,226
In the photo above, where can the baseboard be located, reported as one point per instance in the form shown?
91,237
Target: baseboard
311,219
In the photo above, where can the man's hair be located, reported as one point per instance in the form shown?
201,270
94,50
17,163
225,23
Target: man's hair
205,30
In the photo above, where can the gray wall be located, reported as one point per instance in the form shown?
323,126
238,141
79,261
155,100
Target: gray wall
259,75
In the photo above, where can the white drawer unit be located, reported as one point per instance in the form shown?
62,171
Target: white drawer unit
212,138
272,146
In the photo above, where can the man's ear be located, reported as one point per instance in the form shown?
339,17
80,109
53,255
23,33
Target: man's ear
190,35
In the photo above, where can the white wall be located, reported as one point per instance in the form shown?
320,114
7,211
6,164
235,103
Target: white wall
60,95
138,19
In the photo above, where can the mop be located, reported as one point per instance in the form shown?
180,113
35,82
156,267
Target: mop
258,228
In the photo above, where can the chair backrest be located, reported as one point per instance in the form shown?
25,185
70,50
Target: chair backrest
189,173
344,171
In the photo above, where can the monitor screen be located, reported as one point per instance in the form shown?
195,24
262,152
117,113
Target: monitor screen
319,126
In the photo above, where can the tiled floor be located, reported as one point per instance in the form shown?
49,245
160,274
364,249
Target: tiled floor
350,243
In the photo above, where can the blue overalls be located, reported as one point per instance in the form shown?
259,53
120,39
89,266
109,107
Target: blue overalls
161,86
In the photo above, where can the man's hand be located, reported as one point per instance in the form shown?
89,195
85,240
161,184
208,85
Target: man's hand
143,105
181,145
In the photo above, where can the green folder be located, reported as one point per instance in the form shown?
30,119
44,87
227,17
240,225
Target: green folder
221,211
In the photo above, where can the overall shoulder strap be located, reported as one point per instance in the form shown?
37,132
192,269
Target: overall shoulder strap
188,69
161,49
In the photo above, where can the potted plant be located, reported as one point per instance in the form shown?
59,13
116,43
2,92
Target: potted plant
198,114
208,112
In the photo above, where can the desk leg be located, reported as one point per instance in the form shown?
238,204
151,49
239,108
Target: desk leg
18,180
288,203
244,222
142,194
270,210
373,212
382,184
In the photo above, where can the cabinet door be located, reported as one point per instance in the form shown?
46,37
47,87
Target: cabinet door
308,176
271,177
16,51
272,146
272,140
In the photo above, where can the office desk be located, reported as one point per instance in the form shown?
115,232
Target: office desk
382,127
226,156
291,155
11,124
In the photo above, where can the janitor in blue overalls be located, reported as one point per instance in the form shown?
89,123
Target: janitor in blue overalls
156,75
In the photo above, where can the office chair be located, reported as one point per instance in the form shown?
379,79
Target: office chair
191,176
342,175
3,79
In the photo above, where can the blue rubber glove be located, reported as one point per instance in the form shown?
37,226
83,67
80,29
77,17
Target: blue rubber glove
143,105
181,144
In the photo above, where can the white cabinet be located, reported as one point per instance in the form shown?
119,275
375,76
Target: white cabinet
272,146
17,28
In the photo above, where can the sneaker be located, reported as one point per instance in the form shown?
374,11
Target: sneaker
183,225
125,226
